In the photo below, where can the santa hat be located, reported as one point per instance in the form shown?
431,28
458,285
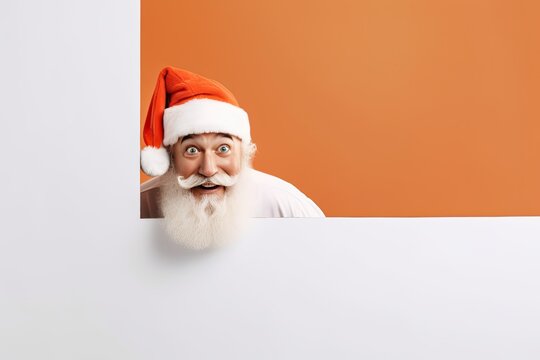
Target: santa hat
185,103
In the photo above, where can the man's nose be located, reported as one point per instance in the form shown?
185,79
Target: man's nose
208,166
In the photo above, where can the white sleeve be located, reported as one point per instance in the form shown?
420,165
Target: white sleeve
278,198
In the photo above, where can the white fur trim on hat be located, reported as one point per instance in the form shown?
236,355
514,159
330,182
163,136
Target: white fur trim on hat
199,116
154,161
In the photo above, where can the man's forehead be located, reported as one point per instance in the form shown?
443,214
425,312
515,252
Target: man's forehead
206,136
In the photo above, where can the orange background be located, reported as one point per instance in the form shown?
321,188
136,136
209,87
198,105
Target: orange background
373,108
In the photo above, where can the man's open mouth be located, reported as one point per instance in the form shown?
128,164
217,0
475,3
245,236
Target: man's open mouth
207,187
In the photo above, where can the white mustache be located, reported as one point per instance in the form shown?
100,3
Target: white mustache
196,180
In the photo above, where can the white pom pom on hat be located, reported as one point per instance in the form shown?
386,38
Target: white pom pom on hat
154,161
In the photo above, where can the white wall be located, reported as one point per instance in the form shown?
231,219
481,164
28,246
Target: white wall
82,277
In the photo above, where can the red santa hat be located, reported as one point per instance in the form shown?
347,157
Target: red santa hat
185,103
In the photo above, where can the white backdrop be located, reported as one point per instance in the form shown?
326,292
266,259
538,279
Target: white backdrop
82,277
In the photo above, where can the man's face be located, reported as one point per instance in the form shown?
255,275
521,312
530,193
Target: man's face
207,155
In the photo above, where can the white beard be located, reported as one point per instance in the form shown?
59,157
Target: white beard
199,223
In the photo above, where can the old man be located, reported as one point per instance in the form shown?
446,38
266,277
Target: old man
199,150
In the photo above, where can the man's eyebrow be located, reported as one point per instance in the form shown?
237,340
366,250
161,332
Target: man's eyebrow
185,138
218,134
225,135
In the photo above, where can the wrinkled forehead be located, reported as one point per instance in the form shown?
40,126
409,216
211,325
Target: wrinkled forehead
208,137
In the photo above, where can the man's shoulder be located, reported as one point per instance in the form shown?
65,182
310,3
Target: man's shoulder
150,198
271,181
153,183
279,198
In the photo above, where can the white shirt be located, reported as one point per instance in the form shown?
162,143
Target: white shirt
270,196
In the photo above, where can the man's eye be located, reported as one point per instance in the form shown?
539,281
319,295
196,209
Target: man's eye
192,150
224,149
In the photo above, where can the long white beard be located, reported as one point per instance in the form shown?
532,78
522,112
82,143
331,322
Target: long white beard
210,220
